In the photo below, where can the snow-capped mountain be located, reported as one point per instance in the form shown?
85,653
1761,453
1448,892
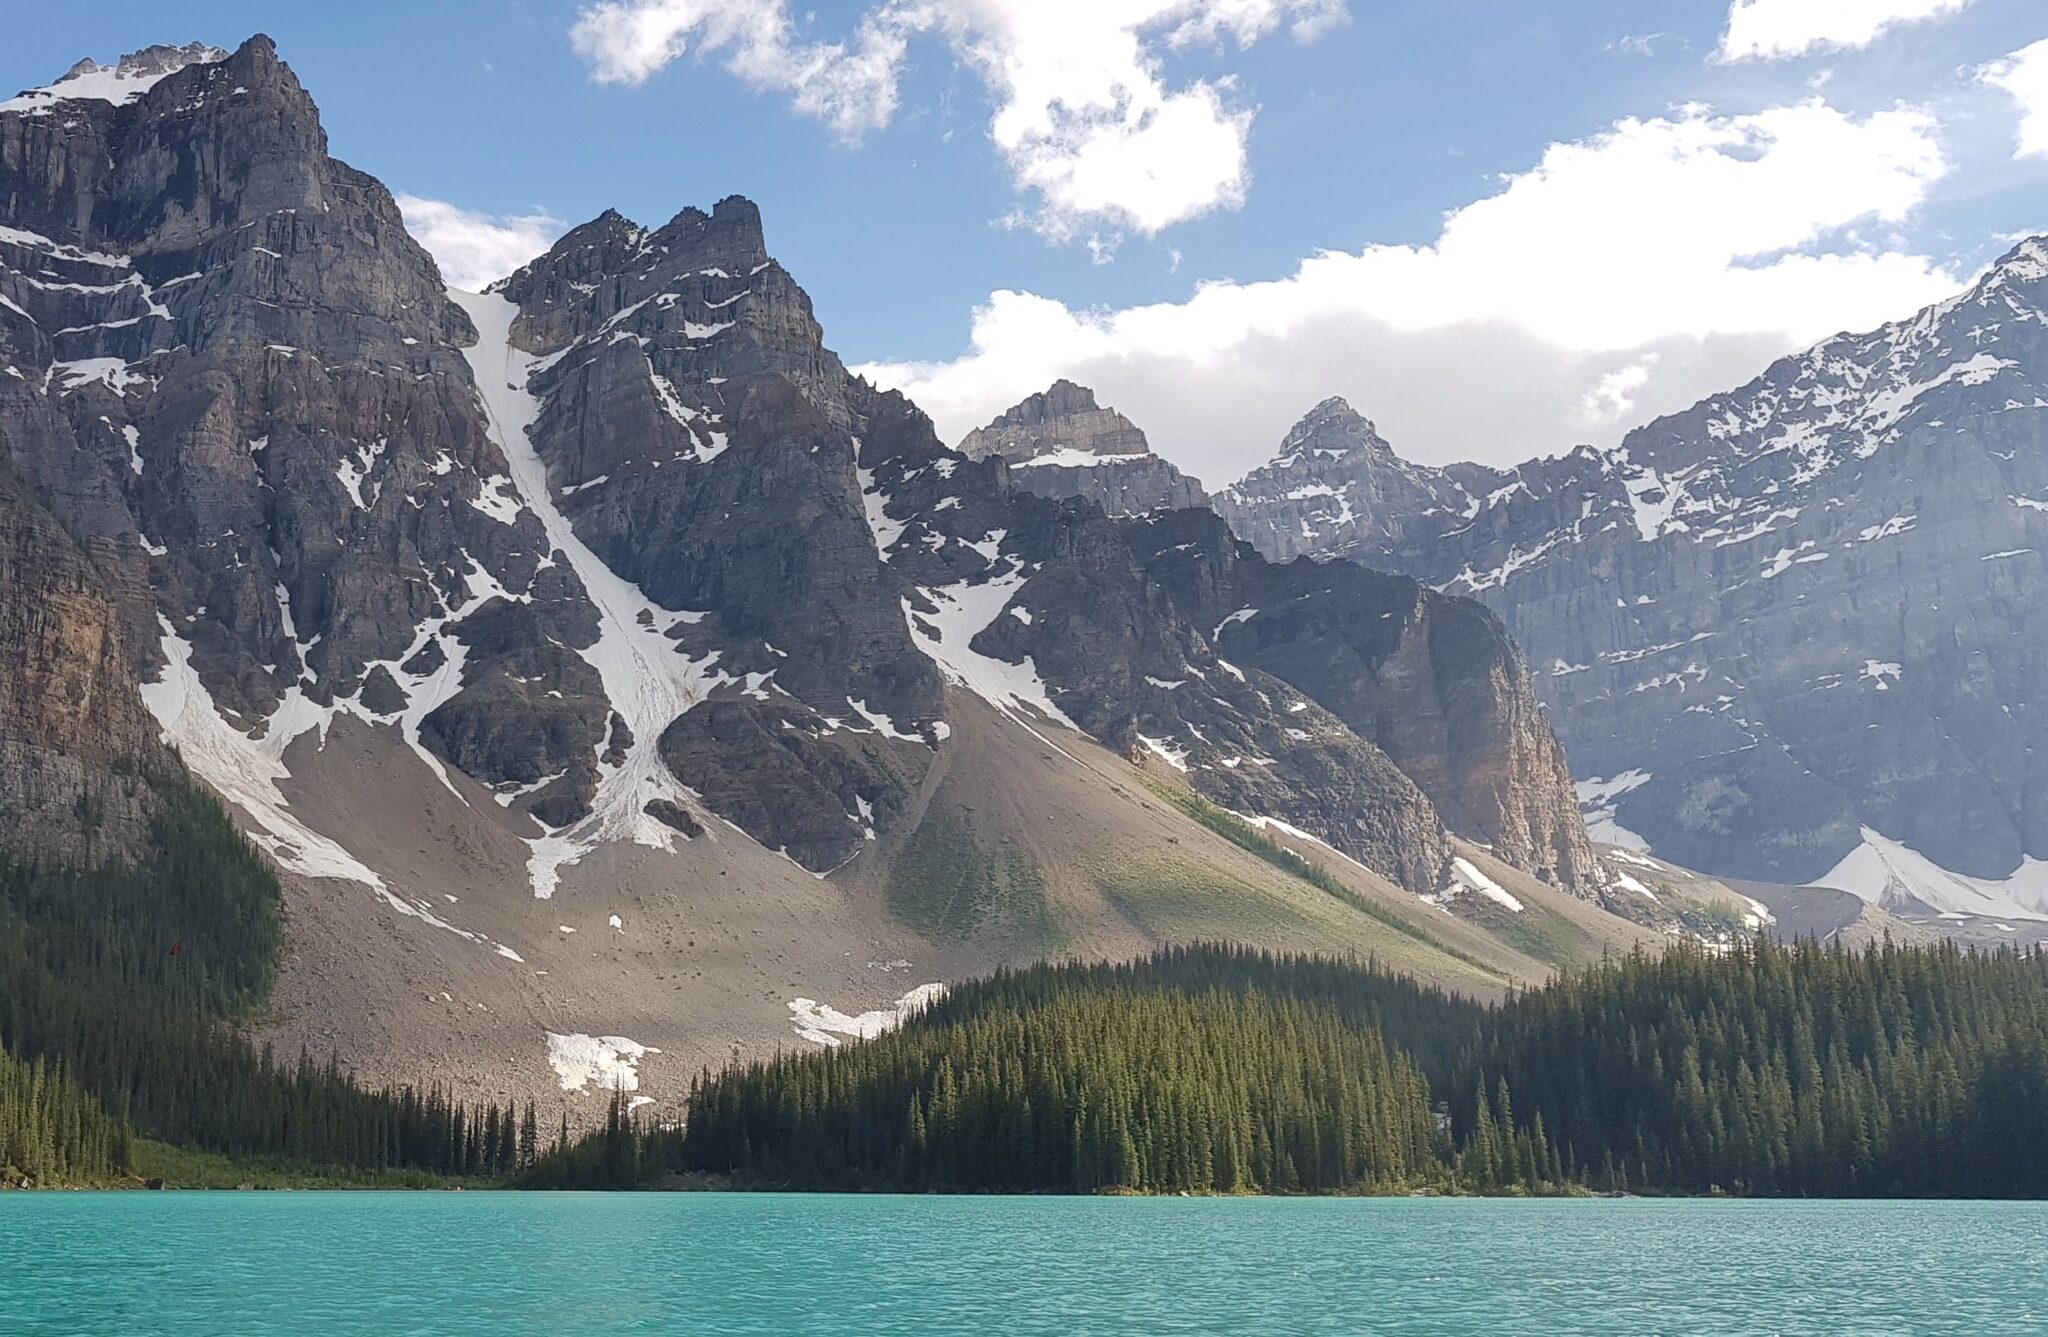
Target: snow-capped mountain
116,85
1785,631
600,659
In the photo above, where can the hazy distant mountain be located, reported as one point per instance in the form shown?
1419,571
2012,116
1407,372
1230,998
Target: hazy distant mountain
1793,633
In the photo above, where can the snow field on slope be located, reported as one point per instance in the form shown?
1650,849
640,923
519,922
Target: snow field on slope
964,610
245,771
1886,873
647,681
610,1062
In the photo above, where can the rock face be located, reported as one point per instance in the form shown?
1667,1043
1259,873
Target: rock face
73,732
1148,635
1061,444
1333,483
1434,682
619,552
1798,621
236,381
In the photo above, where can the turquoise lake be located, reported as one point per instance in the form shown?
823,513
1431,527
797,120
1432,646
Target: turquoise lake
749,1263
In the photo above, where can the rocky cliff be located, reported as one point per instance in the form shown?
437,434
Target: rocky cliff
1797,623
1062,444
598,659
73,734
623,548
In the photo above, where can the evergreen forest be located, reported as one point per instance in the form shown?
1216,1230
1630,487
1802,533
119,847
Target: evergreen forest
1768,1070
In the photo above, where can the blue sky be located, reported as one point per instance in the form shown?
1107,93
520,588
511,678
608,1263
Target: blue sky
982,194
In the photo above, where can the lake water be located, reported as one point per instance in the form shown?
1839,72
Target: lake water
499,1263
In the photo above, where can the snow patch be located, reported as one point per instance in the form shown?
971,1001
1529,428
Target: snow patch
1241,615
1069,457
963,612
1596,807
1893,875
820,1024
610,1062
875,504
117,85
1465,876
1166,752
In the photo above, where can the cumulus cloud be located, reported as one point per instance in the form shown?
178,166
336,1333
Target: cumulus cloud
475,250
852,87
1782,29
1084,113
2024,74
1623,275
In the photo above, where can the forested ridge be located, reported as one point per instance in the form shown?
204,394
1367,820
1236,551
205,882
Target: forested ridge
1789,1069
121,988
1768,1070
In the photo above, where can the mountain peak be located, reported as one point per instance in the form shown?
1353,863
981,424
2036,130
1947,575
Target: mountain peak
2026,262
1061,443
1331,428
1336,411
117,84
1062,418
1066,397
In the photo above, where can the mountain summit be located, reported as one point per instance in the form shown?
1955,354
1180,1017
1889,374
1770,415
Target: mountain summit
1059,443
1788,634
117,84
598,659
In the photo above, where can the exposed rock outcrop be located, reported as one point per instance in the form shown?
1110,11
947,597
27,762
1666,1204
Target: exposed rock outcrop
1061,444
74,736
1794,622
622,542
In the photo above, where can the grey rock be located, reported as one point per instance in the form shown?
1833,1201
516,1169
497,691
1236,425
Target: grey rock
1801,608
1061,444
241,390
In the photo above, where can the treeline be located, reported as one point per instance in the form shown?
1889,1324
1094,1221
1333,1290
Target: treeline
1198,1070
1789,1070
133,977
52,1131
1092,1089
1768,1070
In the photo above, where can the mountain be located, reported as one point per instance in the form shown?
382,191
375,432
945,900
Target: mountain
1061,444
613,676
1334,484
1791,634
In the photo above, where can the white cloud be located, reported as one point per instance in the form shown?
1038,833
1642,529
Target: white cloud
1084,113
1637,44
475,250
1781,29
1623,275
2024,74
1613,397
851,88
